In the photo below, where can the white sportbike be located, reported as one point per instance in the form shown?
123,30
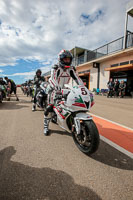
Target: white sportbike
71,112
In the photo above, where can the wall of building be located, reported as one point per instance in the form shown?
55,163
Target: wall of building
83,68
105,75
119,59
93,78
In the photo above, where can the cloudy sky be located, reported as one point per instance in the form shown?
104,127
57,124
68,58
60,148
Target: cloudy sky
32,32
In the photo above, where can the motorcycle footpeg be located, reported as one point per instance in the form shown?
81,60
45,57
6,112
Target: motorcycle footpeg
54,121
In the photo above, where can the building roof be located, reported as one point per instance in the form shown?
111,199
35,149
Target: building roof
79,50
130,8
128,51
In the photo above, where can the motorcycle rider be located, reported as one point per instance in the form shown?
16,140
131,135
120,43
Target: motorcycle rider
2,82
2,88
60,75
38,79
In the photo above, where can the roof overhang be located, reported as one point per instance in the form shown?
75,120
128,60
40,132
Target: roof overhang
130,8
77,50
84,74
120,68
131,12
119,54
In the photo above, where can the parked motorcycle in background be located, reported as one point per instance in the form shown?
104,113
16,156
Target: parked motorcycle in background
3,92
70,112
41,96
1,95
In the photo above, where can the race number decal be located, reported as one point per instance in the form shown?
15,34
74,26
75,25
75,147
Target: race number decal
83,91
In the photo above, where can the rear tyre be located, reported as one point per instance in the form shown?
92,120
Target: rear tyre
88,139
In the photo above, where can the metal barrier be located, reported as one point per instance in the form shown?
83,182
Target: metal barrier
109,48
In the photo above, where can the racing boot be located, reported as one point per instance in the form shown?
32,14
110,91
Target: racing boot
33,107
46,125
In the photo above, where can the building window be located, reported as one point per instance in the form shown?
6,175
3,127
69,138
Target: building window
115,65
124,63
84,72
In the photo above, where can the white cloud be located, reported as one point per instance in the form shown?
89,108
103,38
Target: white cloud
40,29
1,70
28,75
23,74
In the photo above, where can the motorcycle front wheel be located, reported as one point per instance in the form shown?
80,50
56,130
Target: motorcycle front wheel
88,139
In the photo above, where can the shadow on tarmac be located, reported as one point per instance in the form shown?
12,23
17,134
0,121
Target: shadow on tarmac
20,181
63,132
12,105
106,154
112,157
25,101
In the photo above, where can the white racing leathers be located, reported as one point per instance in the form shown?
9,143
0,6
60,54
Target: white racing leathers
59,77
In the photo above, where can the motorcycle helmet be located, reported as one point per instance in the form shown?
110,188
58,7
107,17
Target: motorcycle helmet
65,54
38,72
6,78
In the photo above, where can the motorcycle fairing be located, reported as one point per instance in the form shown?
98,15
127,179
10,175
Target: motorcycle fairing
62,116
83,116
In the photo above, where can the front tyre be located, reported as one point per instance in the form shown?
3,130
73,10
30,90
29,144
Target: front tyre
88,139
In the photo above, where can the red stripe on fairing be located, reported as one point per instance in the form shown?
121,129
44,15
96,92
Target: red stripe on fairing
59,113
62,102
79,104
92,103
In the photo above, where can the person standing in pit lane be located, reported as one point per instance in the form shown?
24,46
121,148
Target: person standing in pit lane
13,88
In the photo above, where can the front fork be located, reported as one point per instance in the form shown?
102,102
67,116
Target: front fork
80,117
77,125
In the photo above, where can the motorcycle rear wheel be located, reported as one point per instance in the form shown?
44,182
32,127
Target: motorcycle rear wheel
88,140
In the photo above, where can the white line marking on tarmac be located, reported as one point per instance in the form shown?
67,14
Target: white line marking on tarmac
112,122
129,154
